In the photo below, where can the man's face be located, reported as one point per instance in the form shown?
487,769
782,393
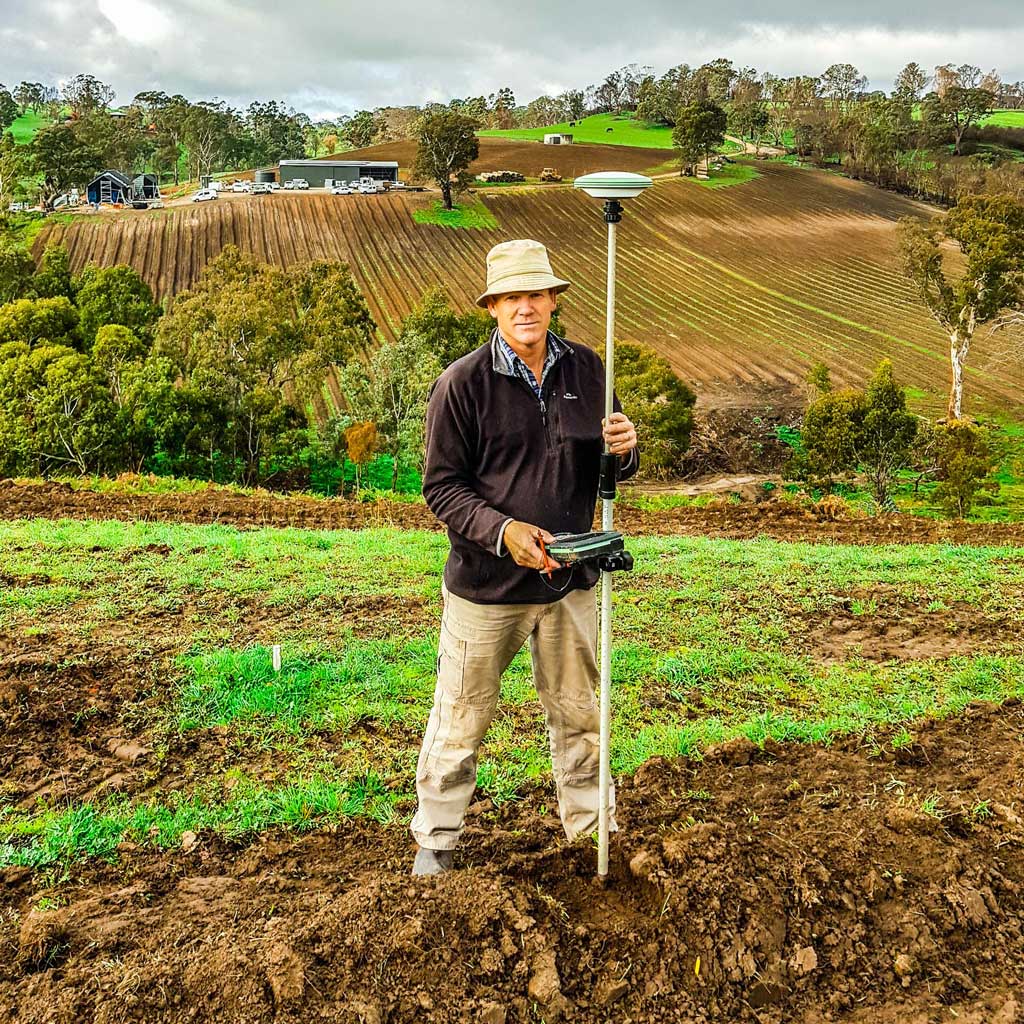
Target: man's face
523,317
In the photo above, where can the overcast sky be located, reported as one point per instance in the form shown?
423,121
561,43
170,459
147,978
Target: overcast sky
328,57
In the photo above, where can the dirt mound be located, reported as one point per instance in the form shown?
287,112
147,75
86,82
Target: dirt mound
528,157
782,520
789,884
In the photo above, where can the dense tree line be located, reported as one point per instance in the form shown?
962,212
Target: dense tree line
94,378
257,375
869,432
895,140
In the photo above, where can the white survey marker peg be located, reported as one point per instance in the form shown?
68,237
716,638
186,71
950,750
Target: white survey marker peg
276,653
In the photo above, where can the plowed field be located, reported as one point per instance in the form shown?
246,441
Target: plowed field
529,158
739,288
186,837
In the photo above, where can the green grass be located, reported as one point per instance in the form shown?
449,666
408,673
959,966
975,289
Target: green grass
25,226
25,127
1005,119
466,215
713,639
625,131
730,174
61,836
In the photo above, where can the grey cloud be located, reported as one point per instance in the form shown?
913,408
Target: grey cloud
329,57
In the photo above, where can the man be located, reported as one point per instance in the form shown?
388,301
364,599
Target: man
515,433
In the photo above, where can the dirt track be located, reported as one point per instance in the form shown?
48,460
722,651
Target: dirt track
781,520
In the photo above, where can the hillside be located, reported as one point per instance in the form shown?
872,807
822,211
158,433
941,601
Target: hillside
1005,119
742,289
24,128
531,157
598,128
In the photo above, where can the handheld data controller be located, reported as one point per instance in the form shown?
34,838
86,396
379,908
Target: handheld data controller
606,547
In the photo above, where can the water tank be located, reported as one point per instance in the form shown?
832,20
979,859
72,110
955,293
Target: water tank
266,177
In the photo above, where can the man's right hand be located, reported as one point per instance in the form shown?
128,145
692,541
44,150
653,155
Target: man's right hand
521,541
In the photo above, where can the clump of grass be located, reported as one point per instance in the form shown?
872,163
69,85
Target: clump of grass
466,215
62,836
377,682
730,174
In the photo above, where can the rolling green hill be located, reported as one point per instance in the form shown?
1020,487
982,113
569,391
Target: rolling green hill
1005,119
25,127
607,128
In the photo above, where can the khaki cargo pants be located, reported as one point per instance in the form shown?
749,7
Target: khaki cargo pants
477,643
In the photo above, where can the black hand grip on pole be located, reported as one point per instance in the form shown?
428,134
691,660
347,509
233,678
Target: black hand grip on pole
609,475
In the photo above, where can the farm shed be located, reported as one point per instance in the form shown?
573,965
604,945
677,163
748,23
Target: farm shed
146,186
110,187
558,139
316,172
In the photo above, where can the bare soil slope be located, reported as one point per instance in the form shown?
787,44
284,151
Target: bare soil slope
782,520
738,288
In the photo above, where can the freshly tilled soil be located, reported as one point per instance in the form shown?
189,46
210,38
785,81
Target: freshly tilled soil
790,884
854,883
780,519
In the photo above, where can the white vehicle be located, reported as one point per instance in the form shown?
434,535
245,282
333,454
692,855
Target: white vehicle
341,190
260,188
368,188
216,186
241,186
299,183
397,184
275,186
204,194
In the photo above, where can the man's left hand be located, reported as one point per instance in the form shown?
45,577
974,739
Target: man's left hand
619,433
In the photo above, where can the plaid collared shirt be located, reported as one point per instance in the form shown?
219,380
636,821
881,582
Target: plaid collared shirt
515,365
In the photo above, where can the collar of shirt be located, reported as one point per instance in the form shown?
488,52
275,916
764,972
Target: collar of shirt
506,361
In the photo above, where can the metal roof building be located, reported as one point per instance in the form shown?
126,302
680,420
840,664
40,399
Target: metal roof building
316,172
120,188
110,187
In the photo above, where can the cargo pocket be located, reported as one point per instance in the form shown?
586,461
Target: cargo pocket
451,662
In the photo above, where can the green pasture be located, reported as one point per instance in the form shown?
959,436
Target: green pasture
713,639
625,131
1005,119
464,215
25,127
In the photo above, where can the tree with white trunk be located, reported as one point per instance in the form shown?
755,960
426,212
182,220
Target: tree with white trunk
985,285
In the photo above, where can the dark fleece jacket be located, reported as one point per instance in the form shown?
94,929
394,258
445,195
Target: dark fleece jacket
495,452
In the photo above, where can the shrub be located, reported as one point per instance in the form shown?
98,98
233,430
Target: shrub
966,458
658,403
361,440
846,429
887,431
829,438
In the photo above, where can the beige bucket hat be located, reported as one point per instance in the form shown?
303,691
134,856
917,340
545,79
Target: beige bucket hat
521,265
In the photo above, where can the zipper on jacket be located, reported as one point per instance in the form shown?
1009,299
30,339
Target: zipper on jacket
544,418
543,411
